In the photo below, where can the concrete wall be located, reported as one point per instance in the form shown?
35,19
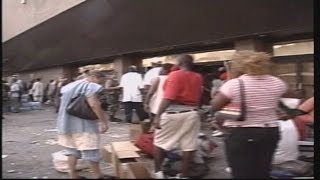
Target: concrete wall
18,17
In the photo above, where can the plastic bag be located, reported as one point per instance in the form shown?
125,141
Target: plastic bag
60,162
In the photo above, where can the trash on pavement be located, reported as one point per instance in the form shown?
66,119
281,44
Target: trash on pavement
51,142
38,134
60,162
4,156
11,171
51,130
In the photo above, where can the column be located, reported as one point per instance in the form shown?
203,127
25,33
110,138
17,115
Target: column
254,45
121,64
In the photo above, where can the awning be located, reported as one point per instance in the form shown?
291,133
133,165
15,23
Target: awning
96,31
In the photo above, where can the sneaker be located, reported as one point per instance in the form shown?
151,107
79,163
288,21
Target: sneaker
217,134
158,175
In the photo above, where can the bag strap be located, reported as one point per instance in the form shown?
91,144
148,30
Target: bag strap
243,101
82,89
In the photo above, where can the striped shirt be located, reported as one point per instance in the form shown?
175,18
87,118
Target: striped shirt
262,94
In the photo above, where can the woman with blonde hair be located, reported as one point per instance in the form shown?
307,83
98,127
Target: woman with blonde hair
251,143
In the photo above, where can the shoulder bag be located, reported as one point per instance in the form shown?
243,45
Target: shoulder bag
232,111
79,106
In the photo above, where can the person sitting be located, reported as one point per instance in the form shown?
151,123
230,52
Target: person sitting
307,118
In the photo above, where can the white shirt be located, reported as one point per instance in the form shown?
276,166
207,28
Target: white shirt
37,89
131,83
152,73
14,89
288,148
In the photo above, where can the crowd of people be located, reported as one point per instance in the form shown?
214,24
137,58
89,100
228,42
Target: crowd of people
170,96
17,91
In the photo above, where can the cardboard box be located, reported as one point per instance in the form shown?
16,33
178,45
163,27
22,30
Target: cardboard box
106,152
136,170
122,153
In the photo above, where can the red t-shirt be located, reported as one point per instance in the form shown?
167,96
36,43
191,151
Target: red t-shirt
183,87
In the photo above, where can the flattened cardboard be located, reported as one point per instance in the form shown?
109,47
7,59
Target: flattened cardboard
107,153
135,170
123,152
124,146
127,154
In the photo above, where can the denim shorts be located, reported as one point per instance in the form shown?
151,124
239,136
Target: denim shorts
89,155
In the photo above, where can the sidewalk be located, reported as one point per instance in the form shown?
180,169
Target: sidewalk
28,140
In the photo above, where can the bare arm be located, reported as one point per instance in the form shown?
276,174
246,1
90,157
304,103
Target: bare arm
163,106
95,104
219,101
151,91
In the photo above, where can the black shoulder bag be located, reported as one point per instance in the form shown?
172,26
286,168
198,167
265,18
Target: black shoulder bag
79,106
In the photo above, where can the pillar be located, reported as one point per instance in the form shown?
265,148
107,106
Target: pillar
254,45
121,64
70,72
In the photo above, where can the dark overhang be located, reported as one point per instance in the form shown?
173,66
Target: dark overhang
97,31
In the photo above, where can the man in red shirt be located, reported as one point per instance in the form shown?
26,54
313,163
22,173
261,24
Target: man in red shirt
177,121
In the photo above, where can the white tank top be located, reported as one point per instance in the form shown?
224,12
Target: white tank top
158,95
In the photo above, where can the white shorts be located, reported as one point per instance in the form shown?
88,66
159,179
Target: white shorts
178,129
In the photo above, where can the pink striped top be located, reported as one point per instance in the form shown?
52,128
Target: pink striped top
262,95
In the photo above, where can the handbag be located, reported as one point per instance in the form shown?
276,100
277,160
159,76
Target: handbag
79,107
232,111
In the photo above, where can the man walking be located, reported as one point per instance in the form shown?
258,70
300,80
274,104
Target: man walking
177,120
131,84
37,91
112,92
15,95
151,74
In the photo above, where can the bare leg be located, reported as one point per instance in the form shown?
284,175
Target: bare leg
186,161
72,162
158,158
95,168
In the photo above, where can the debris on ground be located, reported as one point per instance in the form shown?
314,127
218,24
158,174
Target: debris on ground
52,142
34,142
38,134
4,156
51,130
12,164
11,171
